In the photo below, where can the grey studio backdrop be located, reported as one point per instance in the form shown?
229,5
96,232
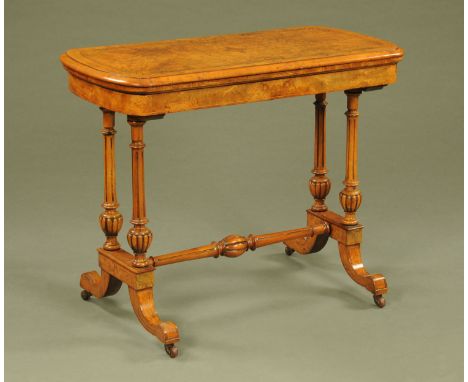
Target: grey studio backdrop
239,169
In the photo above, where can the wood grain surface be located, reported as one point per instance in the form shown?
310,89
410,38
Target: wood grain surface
216,57
162,77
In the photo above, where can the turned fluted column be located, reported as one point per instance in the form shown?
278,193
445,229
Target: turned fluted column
110,220
350,197
319,184
139,236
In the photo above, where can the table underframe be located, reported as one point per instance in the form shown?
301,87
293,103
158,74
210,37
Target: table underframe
136,270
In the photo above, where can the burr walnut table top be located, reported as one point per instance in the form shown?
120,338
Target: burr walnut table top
228,65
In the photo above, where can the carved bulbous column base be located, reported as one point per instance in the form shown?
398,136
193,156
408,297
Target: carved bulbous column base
139,238
319,186
350,200
111,222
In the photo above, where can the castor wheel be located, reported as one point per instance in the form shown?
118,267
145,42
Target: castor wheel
171,350
85,295
379,300
288,251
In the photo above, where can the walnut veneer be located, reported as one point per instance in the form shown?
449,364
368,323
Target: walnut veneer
148,80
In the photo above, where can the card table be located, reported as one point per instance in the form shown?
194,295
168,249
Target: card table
148,80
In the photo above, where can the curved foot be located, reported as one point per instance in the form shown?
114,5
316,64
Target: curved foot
375,283
143,306
320,243
288,251
310,244
85,295
99,285
171,350
379,300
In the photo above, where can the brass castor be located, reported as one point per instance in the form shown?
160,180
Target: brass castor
171,350
85,295
379,300
288,251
